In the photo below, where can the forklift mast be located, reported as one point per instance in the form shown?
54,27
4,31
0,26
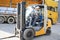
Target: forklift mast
21,18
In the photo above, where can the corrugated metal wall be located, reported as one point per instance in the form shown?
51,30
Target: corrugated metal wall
13,3
9,3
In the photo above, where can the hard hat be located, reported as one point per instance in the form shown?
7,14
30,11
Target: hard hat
37,7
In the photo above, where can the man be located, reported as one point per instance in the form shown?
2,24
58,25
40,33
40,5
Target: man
34,16
36,11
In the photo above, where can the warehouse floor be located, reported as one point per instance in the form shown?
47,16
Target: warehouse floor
7,30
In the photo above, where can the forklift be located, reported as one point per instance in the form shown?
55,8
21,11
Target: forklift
34,25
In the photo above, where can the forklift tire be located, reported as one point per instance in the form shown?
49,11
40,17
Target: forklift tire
11,20
28,34
48,32
1,19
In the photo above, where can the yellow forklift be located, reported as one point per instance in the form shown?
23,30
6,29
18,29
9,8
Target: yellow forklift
31,26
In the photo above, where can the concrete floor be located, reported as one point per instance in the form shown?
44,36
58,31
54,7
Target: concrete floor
7,30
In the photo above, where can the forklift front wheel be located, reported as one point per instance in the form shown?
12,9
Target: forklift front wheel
28,34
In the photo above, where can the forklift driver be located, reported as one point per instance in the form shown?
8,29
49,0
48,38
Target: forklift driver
34,17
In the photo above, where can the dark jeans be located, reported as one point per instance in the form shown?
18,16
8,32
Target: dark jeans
34,20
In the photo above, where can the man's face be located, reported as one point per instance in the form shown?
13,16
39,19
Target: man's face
37,9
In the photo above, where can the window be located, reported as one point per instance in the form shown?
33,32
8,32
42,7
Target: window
48,7
55,0
51,8
56,9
